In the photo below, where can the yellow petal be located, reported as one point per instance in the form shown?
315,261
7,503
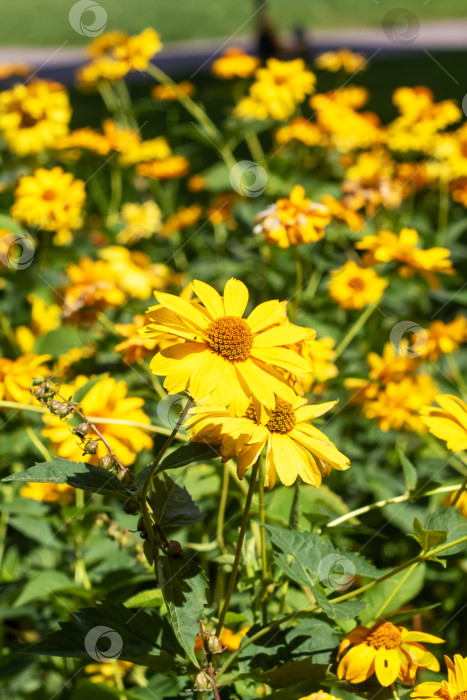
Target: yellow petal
268,314
210,298
280,335
235,298
387,665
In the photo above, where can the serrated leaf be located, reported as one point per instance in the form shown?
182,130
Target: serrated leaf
410,473
189,453
172,504
427,538
347,610
454,524
183,584
307,558
78,474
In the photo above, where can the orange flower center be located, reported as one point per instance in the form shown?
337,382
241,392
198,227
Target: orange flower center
283,418
385,635
461,696
49,195
357,284
230,337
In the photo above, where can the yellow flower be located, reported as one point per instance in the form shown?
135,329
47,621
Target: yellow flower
135,346
222,354
461,503
353,287
300,129
440,338
44,318
136,151
221,210
196,183
342,211
119,139
85,138
51,200
16,376
136,275
183,218
49,493
7,70
106,399
165,169
373,181
343,59
140,221
387,246
94,286
107,672
320,695
235,63
449,422
397,404
293,221
455,688
388,650
166,93
277,90
34,116
136,51
294,447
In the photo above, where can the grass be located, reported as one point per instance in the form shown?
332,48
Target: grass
28,23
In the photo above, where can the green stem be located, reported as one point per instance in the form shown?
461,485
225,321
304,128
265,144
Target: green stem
388,501
459,493
238,551
357,326
443,211
264,558
395,590
255,147
222,505
115,191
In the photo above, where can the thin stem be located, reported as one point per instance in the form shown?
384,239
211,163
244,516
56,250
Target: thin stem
459,493
395,694
443,211
238,551
389,501
264,557
222,505
357,326
37,443
395,590
254,145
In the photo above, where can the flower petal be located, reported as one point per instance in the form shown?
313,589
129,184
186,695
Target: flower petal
387,665
210,298
235,298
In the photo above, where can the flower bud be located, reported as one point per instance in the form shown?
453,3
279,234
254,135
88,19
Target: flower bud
174,548
202,681
37,381
81,430
38,392
131,506
63,411
90,447
124,475
106,462
54,405
215,645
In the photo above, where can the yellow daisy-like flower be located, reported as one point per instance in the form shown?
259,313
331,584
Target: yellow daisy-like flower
84,139
448,422
51,200
353,287
108,672
165,169
183,218
440,338
94,286
293,221
34,116
140,221
320,695
388,650
136,151
235,63
294,447
397,405
135,346
49,493
300,129
106,399
343,59
455,688
16,376
222,354
44,318
166,93
343,211
136,274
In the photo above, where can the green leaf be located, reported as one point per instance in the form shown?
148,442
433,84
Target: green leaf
78,474
451,521
151,598
427,538
347,610
377,596
43,585
189,453
172,504
36,529
183,584
410,473
307,558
